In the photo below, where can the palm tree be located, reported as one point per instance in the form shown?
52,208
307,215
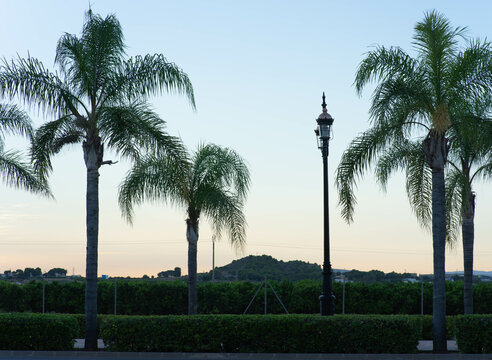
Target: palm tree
416,96
470,158
98,99
14,171
214,182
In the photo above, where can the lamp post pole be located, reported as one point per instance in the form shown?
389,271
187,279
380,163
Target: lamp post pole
323,133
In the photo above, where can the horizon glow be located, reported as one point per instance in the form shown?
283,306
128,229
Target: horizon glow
258,70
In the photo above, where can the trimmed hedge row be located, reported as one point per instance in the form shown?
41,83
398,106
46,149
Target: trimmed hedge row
263,333
425,335
239,333
37,332
302,297
474,333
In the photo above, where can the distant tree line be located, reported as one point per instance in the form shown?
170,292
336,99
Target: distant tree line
176,273
374,276
30,273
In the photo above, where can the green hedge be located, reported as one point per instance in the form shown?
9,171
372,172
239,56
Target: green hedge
262,333
37,332
474,333
427,332
302,297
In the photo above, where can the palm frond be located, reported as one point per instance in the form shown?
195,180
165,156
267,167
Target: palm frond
18,174
70,57
37,86
437,44
384,64
103,46
225,211
485,171
408,156
471,74
217,165
356,159
153,178
403,102
456,182
419,185
49,139
149,75
14,121
131,128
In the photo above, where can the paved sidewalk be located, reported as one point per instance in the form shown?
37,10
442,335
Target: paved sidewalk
81,355
424,345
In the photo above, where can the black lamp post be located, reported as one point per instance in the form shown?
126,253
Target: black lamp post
323,135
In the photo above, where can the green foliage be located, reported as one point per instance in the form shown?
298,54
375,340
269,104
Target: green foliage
14,171
474,333
170,273
256,268
427,327
482,295
80,318
260,333
56,272
155,297
37,332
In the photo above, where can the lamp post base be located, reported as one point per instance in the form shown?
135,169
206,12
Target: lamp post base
327,304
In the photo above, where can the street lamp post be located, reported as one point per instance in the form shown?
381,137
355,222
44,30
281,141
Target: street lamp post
323,135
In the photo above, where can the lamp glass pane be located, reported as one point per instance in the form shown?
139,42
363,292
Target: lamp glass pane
324,131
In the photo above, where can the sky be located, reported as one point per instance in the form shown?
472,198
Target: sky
258,69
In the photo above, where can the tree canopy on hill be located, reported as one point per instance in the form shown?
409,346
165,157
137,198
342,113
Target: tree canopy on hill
375,275
256,268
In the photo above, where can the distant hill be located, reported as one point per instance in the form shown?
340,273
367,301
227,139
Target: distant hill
256,268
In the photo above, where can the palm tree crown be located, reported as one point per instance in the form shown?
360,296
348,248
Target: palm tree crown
470,159
99,94
98,99
213,183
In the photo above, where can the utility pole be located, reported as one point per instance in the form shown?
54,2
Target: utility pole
43,295
421,295
213,257
115,293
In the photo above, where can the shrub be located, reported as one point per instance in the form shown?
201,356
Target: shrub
474,333
37,332
263,333
427,332
80,318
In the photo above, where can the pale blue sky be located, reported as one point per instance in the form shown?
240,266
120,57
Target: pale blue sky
258,69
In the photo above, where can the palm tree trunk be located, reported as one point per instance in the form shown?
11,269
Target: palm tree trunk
92,157
436,149
468,234
439,245
192,237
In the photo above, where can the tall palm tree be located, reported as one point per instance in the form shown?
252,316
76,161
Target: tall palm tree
416,96
470,158
98,98
214,183
14,171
